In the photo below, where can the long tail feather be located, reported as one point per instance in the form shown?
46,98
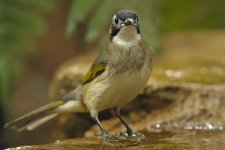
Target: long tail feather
35,118
36,123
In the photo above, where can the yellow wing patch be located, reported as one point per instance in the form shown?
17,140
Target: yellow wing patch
94,72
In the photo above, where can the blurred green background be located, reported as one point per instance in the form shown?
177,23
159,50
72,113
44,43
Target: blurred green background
37,36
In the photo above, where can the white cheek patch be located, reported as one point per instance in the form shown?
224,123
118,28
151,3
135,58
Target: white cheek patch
114,17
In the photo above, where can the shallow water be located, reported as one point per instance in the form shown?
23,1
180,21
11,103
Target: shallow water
176,140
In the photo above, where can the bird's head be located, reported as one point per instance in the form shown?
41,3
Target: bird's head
124,26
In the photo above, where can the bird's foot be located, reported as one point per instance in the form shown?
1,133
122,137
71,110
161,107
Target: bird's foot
107,136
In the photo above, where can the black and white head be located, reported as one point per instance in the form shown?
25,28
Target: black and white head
125,27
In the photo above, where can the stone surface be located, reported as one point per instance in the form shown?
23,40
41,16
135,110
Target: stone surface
185,140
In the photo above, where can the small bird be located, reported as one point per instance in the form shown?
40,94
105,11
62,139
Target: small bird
115,78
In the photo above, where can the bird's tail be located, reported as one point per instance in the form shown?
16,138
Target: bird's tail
35,118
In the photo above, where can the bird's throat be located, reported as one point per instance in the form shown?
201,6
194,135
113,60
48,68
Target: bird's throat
127,36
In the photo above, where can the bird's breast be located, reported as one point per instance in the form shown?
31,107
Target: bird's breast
125,59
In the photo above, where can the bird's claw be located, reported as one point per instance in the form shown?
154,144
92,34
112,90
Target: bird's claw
107,136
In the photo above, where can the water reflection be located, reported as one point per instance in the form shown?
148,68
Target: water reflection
169,126
203,126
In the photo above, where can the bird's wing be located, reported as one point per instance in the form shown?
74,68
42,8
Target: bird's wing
97,68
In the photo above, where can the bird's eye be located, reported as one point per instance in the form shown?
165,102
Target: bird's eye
116,21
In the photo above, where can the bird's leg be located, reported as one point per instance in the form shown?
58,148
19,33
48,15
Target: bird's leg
105,135
129,132
116,112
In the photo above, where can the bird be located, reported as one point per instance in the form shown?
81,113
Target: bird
115,78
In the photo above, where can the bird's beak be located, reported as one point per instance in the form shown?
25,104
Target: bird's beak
129,21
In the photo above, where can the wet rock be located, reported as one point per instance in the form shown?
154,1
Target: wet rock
154,141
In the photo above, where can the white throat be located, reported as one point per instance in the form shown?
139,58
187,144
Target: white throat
127,36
